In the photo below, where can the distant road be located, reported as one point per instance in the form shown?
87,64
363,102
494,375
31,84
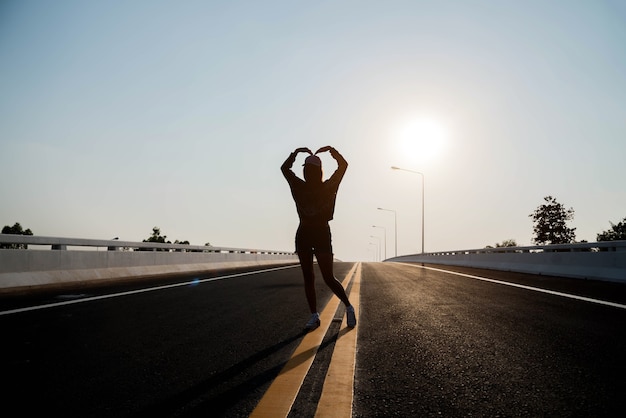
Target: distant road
430,343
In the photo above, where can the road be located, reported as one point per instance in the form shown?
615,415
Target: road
429,342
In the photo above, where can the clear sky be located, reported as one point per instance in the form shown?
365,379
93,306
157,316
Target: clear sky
119,116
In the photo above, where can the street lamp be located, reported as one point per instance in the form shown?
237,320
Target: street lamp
378,238
375,250
385,242
395,223
421,174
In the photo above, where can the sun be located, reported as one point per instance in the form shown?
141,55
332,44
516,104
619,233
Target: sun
421,139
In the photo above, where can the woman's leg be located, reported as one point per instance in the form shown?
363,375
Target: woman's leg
306,263
325,262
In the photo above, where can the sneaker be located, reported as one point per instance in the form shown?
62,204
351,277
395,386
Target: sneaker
351,316
313,323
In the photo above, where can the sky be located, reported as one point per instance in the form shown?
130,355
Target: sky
116,117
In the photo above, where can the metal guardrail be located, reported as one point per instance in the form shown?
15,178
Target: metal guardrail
58,243
31,263
578,247
595,260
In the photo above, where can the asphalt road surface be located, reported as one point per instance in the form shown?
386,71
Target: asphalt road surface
429,342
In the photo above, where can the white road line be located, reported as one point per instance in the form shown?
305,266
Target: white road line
149,289
521,286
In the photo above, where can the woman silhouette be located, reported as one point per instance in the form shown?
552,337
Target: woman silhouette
315,204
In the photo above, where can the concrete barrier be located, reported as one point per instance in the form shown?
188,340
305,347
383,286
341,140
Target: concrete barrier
598,261
27,270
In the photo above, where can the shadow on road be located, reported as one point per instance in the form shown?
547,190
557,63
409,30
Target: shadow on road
201,397
207,399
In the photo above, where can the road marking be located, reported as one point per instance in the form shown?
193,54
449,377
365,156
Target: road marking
521,286
149,289
338,390
281,394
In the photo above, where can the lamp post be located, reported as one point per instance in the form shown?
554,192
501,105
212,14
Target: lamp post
395,224
375,250
378,238
421,174
385,238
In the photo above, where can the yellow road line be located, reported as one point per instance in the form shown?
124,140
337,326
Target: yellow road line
338,390
281,394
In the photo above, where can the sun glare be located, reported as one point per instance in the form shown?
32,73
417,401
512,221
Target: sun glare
421,139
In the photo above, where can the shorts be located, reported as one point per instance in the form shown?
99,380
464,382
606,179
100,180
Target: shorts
313,239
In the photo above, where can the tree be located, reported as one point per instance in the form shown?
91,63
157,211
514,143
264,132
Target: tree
16,230
507,243
550,223
181,242
156,237
616,233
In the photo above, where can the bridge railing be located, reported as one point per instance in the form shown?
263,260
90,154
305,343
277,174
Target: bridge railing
36,262
594,260
577,247
58,243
